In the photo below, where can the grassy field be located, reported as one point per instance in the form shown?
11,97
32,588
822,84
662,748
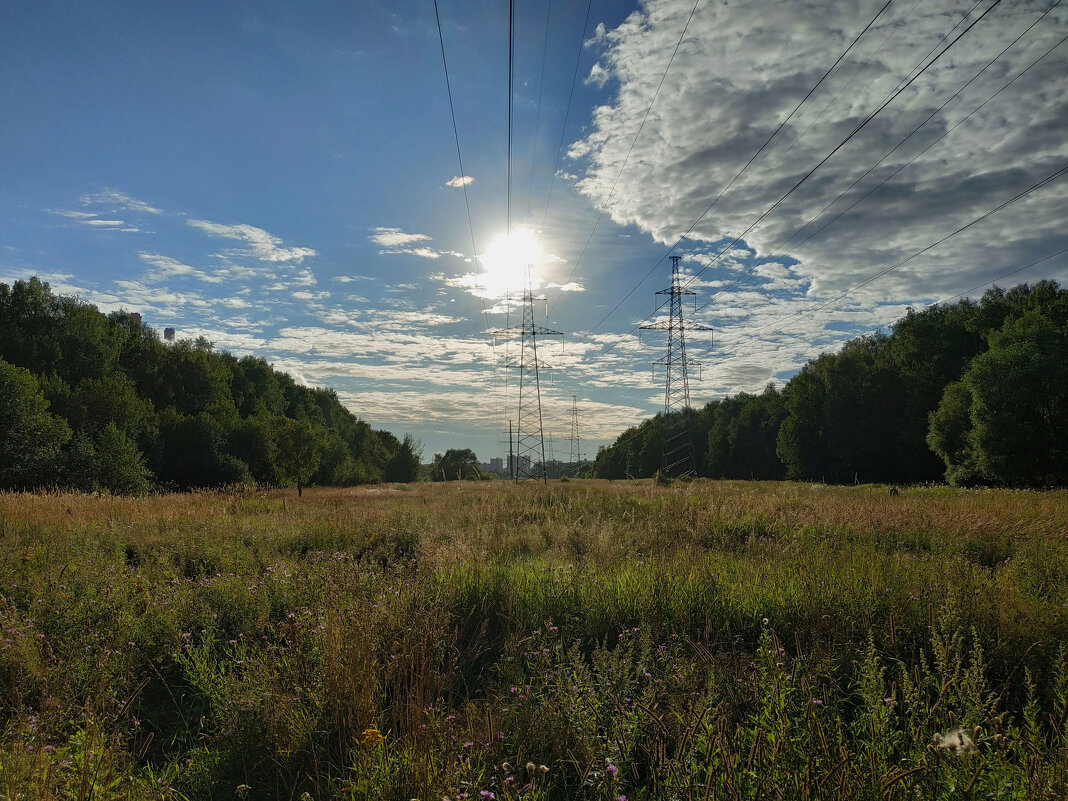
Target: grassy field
586,640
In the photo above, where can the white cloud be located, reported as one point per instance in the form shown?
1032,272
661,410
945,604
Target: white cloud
395,237
167,268
261,244
116,199
744,67
75,215
459,181
571,286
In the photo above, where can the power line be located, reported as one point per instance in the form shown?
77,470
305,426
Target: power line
511,65
456,137
626,160
740,172
1049,179
567,112
541,89
889,99
1040,185
912,133
860,126
949,130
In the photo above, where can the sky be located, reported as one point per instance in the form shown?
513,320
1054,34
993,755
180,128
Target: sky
284,179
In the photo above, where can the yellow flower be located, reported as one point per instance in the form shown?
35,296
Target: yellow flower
371,736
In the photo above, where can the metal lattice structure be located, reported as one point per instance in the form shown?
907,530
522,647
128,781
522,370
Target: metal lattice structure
678,443
576,442
530,458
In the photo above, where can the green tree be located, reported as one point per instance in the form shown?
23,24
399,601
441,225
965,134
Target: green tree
31,438
300,449
1019,409
120,466
455,464
404,466
949,435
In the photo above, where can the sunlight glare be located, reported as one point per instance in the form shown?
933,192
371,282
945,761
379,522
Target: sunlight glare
511,261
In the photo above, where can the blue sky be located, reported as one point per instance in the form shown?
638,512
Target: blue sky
283,179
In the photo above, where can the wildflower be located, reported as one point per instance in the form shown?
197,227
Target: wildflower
765,622
487,795
611,771
530,769
543,769
507,768
371,736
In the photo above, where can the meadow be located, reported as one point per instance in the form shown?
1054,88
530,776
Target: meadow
584,640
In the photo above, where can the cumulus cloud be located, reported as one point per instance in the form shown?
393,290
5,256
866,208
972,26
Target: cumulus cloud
458,181
740,71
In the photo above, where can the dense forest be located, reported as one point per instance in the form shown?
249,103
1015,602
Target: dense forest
973,393
97,402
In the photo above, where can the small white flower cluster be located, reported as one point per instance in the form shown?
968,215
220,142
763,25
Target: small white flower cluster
955,741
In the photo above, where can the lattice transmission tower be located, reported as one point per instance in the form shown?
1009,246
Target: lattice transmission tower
576,441
530,457
678,457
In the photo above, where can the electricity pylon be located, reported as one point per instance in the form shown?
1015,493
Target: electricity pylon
530,433
576,443
678,443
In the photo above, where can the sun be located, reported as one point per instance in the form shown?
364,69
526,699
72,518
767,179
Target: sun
511,262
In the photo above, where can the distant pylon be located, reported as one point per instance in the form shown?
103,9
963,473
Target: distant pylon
678,444
530,456
576,443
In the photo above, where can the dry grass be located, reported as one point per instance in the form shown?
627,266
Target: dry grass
708,639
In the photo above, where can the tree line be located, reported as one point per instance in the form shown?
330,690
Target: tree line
94,402
973,393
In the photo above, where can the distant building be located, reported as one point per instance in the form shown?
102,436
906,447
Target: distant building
492,466
135,317
168,334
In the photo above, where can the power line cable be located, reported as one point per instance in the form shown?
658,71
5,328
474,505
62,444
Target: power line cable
740,172
776,249
541,89
511,65
567,113
913,132
456,137
889,99
626,160
1049,179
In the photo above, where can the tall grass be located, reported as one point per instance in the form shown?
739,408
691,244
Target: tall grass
584,640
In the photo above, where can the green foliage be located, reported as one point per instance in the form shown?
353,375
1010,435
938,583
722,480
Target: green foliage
30,437
195,417
455,465
973,392
404,466
300,448
1006,421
